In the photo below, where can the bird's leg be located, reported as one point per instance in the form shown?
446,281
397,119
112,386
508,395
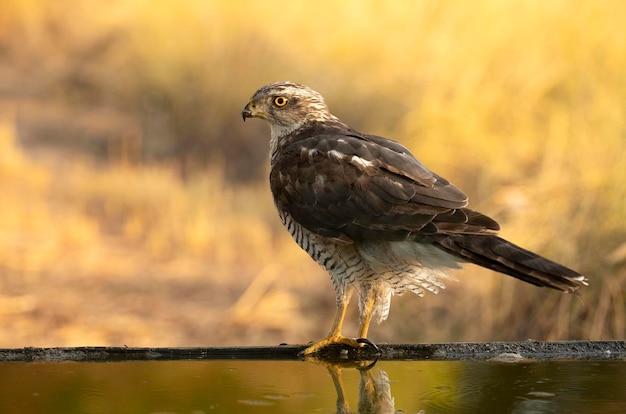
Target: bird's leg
366,308
335,336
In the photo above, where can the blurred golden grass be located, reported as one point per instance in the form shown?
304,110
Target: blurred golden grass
521,104
101,234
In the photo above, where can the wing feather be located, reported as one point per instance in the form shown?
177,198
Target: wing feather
363,186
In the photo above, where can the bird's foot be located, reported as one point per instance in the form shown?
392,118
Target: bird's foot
339,340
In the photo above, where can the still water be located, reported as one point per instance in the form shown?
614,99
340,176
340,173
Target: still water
311,387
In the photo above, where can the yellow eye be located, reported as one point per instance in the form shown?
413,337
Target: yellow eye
280,101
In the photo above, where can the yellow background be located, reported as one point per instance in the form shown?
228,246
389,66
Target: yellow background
520,104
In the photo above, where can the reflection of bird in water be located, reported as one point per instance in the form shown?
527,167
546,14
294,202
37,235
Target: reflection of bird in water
369,212
375,393
374,388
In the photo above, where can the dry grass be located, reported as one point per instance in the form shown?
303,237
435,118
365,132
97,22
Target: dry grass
521,104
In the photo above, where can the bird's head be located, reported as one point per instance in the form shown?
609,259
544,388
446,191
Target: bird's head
286,106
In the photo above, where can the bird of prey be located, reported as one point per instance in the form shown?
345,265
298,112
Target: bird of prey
373,216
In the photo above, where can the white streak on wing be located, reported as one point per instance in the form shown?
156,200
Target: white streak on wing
360,162
334,154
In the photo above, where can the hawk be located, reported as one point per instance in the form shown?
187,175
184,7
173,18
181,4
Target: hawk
373,216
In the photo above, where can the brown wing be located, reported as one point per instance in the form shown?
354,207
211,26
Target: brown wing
357,187
344,184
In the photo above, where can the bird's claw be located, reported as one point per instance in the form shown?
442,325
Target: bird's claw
369,344
356,344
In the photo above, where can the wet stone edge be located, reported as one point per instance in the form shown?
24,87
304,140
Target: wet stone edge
494,351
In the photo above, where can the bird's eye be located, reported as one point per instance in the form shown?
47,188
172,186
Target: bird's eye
280,101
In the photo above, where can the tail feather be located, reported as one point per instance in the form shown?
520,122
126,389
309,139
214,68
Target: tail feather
505,257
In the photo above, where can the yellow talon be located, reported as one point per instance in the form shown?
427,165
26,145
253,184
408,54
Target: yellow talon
336,338
332,340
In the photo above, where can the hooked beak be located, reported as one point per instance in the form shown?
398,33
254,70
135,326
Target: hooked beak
248,111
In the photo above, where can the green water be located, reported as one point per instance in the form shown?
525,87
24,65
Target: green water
304,387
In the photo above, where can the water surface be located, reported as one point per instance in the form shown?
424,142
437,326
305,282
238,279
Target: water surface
307,387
